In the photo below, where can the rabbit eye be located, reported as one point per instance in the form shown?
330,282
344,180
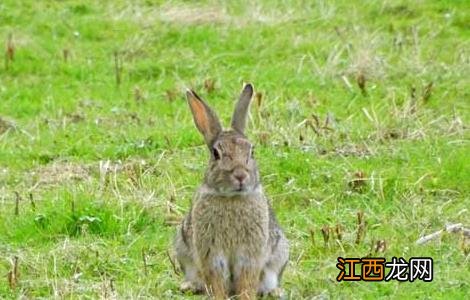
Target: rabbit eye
216,153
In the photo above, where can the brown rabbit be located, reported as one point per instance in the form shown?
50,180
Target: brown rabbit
230,243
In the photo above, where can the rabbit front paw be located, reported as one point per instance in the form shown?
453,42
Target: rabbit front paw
188,286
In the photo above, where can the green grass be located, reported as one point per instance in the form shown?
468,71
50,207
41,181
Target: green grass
110,168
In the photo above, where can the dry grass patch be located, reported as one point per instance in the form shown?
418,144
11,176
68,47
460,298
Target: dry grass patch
198,14
172,13
193,14
60,172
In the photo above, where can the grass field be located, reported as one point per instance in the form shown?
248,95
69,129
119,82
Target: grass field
362,107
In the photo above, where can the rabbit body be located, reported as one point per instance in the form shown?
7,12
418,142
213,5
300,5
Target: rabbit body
230,242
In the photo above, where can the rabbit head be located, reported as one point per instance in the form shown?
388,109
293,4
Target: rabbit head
232,169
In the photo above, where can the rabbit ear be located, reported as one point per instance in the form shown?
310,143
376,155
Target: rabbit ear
241,109
204,117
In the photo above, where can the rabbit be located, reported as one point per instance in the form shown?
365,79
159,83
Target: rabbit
230,243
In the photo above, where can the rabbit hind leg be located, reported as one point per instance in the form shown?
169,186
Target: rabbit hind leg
192,279
272,271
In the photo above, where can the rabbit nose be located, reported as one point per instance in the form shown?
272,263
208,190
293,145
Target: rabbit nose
240,176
